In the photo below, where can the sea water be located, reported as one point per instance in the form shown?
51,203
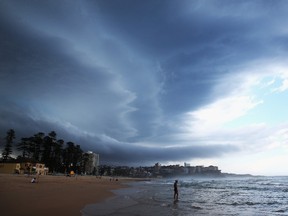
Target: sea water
198,196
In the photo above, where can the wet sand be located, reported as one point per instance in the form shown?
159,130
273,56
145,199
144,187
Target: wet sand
53,195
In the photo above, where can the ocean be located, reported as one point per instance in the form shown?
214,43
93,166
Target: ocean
198,196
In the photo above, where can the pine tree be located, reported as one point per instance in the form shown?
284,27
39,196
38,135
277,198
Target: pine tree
57,156
23,146
48,150
8,146
72,156
36,144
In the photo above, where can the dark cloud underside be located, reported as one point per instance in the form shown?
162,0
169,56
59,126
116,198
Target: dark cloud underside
128,70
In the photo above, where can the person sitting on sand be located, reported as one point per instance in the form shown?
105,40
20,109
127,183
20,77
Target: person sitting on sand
176,190
33,180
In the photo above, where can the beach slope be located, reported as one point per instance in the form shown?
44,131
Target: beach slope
52,195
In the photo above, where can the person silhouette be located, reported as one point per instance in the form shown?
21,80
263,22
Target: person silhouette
176,190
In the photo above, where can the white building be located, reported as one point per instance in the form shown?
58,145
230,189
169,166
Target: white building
91,163
187,164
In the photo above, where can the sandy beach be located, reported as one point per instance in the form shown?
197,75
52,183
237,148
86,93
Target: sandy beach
52,195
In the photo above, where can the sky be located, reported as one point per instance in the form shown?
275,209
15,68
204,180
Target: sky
141,82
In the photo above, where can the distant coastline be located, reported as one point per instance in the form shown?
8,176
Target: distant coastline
237,175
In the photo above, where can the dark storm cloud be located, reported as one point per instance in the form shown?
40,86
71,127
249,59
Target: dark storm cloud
196,41
126,69
47,74
147,156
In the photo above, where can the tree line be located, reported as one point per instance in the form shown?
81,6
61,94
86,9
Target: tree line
47,149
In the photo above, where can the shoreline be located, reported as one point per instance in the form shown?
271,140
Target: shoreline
52,195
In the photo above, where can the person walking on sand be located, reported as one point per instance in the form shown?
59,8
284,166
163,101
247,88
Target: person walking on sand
176,190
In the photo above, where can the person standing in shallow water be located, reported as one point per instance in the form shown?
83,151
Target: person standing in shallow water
176,190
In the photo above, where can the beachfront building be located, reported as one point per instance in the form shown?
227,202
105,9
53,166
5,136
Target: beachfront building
187,164
10,168
90,163
187,169
40,169
212,170
156,169
23,168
